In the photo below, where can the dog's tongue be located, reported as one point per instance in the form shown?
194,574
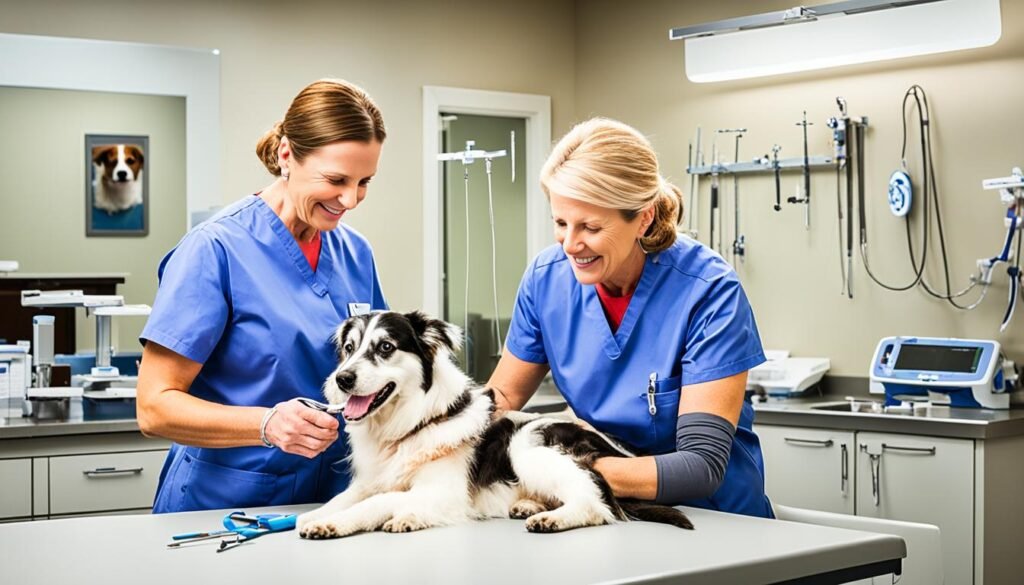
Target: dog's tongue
358,405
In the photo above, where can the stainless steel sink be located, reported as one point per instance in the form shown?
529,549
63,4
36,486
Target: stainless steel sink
852,406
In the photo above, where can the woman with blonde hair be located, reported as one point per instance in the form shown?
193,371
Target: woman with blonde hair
648,336
242,322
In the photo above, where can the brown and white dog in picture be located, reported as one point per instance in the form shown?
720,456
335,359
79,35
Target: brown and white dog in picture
118,178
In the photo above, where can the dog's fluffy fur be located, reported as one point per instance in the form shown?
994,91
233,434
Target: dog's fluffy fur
118,184
426,452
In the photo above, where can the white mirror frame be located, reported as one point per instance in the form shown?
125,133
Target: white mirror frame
65,63
536,109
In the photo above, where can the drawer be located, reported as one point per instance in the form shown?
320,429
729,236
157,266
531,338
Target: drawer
108,481
15,488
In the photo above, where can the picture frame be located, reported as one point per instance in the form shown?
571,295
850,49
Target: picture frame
116,185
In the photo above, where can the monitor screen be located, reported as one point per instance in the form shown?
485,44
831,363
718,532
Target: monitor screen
938,358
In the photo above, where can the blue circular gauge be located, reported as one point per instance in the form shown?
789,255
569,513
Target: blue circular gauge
900,193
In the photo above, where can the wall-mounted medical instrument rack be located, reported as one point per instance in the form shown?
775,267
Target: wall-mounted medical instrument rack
763,165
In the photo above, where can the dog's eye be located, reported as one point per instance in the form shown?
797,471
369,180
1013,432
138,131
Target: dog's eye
386,347
348,348
129,160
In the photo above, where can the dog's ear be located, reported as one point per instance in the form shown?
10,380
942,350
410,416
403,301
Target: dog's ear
435,333
99,154
137,153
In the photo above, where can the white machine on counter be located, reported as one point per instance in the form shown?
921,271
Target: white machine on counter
965,373
98,387
787,376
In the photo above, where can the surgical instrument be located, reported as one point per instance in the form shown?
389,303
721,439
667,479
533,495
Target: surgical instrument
738,242
695,159
806,198
238,529
778,182
840,128
322,407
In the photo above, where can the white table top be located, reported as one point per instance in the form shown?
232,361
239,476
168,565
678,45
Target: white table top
724,548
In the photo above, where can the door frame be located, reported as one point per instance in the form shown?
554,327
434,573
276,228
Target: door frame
536,109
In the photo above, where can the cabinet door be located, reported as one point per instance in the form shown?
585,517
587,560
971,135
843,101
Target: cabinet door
15,488
107,481
922,479
808,468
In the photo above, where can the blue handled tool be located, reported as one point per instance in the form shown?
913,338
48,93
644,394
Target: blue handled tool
239,528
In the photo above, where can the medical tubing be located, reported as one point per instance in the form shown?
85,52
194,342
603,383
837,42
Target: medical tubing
839,209
494,261
465,294
849,207
918,271
263,426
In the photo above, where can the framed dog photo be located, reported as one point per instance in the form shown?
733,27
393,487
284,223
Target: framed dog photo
116,185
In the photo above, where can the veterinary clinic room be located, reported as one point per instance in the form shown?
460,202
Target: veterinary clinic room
528,292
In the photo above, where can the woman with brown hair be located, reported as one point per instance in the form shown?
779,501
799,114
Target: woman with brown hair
648,337
248,302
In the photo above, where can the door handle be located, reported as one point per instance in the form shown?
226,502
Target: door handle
876,474
844,469
107,471
809,442
922,450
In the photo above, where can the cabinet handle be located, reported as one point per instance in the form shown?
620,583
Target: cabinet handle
876,473
924,450
809,442
102,471
845,469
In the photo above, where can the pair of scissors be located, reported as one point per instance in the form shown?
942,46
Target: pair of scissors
238,529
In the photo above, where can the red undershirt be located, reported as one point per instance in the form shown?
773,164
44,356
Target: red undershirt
311,250
614,307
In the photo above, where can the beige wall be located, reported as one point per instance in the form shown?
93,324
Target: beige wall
627,68
613,58
269,50
42,215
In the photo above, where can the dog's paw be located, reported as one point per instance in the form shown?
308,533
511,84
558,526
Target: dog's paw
405,523
558,521
323,529
525,508
304,519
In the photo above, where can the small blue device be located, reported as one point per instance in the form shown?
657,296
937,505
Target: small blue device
901,193
968,371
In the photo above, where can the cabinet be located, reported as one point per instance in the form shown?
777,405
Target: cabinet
809,468
80,474
933,480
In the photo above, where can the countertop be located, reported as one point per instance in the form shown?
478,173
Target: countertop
935,421
724,548
14,426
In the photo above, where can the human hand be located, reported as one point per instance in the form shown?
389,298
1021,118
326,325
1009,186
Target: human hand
300,430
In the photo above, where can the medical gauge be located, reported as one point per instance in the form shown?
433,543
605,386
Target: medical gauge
901,193
468,157
964,373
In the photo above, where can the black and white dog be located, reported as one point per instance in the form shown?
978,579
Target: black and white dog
427,452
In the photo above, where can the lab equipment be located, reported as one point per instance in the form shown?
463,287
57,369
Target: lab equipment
739,241
695,159
778,178
1011,192
468,157
239,528
901,193
101,398
785,376
15,379
966,373
805,199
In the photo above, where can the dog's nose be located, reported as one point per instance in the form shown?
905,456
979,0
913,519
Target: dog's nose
122,175
346,380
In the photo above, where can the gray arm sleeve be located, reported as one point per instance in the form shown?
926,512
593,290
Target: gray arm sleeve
696,468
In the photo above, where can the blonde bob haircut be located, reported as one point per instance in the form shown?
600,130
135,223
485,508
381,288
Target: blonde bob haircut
609,164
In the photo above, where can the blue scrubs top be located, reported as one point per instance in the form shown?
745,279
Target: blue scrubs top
238,296
688,322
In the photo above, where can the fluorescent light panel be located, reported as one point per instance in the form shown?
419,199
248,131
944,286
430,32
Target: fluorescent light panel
833,41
